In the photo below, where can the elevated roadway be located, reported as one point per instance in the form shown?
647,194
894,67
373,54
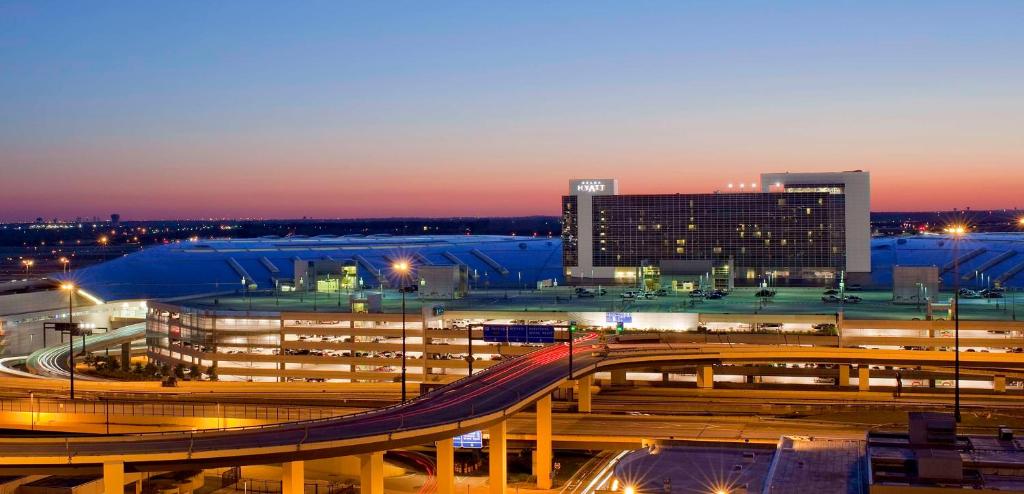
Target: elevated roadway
52,361
483,400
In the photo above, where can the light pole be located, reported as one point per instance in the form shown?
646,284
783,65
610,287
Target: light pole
71,337
402,268
957,231
67,264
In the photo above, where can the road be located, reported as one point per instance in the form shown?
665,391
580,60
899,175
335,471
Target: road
52,361
473,403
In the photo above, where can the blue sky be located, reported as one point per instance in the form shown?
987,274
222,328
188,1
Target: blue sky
165,109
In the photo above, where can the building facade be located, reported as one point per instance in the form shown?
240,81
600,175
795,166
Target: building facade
794,234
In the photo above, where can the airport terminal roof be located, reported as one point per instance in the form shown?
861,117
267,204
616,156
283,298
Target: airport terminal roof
999,256
216,266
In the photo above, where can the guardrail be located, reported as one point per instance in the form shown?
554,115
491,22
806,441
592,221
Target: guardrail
164,409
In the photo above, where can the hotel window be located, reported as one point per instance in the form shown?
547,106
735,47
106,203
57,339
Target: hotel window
716,250
680,250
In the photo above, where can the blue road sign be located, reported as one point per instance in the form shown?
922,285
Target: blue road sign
519,333
623,317
474,440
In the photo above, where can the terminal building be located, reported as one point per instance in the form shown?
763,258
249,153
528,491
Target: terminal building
798,229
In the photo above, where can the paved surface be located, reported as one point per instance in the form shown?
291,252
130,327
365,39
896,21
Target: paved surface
818,465
875,304
695,469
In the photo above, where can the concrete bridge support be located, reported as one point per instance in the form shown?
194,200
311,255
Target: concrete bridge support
371,473
113,478
844,375
293,477
999,384
543,457
863,378
445,466
497,458
585,403
619,378
705,377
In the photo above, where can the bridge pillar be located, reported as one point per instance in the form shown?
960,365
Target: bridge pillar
498,458
705,377
293,477
543,457
445,466
585,403
371,473
113,478
863,378
619,378
844,375
999,384
126,356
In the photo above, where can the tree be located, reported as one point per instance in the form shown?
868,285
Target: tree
179,371
165,369
211,372
137,368
195,373
151,369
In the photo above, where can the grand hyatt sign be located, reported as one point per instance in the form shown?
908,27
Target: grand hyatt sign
593,187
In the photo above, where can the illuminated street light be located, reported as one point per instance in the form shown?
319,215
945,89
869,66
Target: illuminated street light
629,490
402,268
28,263
66,262
957,231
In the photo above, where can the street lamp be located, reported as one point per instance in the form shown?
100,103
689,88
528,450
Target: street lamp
28,263
957,232
70,288
66,262
402,268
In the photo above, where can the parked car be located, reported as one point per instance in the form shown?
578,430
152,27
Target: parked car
698,293
968,293
629,294
764,292
852,299
831,291
715,295
661,292
830,299
586,294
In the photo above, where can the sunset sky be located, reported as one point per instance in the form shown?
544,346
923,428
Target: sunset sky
373,109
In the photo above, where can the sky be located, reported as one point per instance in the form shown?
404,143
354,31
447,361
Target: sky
330,109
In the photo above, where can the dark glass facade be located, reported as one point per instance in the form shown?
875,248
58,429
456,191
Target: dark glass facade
570,225
785,231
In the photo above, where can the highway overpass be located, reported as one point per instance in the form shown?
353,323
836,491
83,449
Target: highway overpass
483,401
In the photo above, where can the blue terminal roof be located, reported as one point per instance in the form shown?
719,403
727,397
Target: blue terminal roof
213,266
999,256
